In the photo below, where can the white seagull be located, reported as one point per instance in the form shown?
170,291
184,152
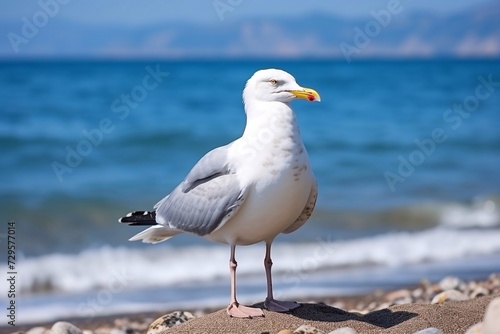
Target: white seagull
247,191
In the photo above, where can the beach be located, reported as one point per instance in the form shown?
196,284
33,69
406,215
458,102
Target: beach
108,108
450,305
366,233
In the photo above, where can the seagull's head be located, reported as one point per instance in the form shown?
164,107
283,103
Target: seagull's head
276,85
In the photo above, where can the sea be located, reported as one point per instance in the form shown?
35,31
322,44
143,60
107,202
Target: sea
406,154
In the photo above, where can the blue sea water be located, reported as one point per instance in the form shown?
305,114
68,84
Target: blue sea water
406,153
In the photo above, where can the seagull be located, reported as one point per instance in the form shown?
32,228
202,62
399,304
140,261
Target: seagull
248,191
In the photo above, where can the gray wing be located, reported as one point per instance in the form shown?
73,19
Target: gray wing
206,199
213,164
307,212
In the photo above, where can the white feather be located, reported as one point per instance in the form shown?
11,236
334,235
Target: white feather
155,234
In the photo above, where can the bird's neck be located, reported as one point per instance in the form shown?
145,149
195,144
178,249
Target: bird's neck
271,121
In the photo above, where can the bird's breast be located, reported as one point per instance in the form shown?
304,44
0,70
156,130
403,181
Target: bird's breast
280,181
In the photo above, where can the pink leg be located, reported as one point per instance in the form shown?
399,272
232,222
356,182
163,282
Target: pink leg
234,308
270,303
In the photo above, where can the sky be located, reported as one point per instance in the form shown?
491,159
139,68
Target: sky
233,28
135,12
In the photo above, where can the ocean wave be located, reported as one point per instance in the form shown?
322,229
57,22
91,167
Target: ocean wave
164,265
482,212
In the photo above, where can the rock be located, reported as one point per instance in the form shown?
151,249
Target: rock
429,293
169,320
449,283
417,293
63,327
406,300
285,331
371,306
475,329
131,327
472,285
430,330
493,283
449,295
479,291
121,322
344,330
103,330
491,321
396,295
453,283
306,329
338,304
383,306
494,279
117,331
37,330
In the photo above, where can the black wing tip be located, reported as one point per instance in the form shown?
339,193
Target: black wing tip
139,218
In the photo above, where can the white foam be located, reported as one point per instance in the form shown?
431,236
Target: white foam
128,268
481,213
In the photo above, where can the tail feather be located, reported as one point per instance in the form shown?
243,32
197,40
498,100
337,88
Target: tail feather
155,234
139,218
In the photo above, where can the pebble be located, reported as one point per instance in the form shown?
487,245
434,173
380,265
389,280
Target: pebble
169,320
131,327
117,331
344,330
475,329
63,327
479,292
417,293
383,306
450,283
491,321
307,329
398,294
430,330
37,330
103,330
493,283
454,290
449,295
407,300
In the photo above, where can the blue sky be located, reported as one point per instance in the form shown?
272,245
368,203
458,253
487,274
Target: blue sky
148,28
135,12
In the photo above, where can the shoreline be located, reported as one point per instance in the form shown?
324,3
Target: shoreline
425,294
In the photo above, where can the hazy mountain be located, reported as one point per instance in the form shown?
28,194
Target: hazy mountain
471,33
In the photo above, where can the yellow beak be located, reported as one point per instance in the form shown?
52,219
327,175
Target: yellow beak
307,94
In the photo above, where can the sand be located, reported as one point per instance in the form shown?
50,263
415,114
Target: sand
450,305
451,317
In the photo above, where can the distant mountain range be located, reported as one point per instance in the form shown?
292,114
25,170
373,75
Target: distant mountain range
384,33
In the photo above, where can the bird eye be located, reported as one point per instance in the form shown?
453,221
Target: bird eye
273,82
